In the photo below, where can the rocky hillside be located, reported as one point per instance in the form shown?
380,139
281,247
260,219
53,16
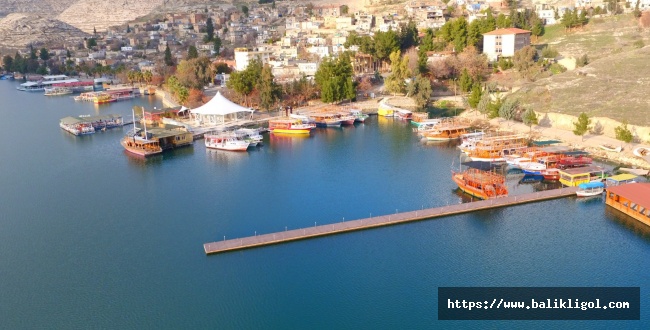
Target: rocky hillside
100,14
46,7
19,30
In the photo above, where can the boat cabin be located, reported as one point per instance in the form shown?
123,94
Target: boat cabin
631,199
573,177
620,179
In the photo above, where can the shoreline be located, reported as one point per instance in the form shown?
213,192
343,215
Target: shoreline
591,143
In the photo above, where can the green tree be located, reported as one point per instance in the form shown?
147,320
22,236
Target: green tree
459,34
465,81
475,97
408,35
195,73
244,9
508,109
494,107
622,132
530,118
244,82
192,53
524,61
334,78
8,63
169,60
270,92
209,30
217,45
395,83
94,31
91,42
502,21
32,53
128,29
582,126
420,90
44,54
385,43
483,105
344,9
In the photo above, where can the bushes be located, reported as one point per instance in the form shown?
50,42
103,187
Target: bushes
556,68
548,52
582,60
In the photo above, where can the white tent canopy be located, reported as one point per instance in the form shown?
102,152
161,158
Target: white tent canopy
220,110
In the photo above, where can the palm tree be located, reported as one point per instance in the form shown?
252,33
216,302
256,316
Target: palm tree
147,76
131,77
139,77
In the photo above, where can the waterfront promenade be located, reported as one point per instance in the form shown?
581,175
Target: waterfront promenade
380,221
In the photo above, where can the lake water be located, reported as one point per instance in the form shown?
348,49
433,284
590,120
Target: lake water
91,237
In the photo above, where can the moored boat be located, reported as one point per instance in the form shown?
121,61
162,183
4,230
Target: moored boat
225,142
579,161
590,189
403,114
324,119
481,184
496,148
346,118
140,146
445,133
54,91
609,147
76,126
359,116
103,98
290,126
550,174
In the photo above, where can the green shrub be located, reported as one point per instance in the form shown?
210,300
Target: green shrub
556,68
638,44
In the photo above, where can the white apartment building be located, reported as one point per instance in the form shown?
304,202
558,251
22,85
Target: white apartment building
243,56
504,42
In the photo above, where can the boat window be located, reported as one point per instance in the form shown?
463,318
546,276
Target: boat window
633,206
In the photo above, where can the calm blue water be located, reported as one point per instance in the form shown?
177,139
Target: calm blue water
93,238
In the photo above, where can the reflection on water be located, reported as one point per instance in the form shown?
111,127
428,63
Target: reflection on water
447,144
284,139
226,157
627,221
143,162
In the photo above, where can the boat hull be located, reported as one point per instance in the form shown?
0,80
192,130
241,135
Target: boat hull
291,131
588,193
138,151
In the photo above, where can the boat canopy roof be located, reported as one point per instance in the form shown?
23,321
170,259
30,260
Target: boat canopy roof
582,170
575,153
483,166
622,177
546,142
591,185
71,120
556,149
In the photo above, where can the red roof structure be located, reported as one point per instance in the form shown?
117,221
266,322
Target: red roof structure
638,193
501,32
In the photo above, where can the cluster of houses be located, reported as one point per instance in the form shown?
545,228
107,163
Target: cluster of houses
292,37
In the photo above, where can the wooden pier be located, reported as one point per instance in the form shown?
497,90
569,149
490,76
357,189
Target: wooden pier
380,221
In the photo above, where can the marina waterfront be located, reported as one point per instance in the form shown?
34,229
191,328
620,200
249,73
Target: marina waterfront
91,237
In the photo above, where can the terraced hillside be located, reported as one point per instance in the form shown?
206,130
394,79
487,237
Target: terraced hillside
18,30
100,14
46,7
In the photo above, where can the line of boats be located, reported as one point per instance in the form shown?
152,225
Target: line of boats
84,125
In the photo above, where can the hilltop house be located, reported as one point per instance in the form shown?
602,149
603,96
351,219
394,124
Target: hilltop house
504,42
